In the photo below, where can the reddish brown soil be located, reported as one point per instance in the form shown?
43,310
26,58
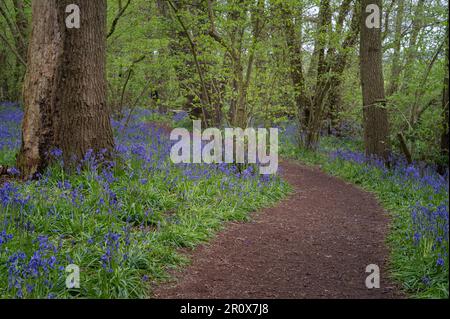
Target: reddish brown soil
315,244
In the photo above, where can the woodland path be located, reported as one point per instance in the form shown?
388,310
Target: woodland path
314,244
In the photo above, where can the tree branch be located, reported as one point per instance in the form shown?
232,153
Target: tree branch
13,50
118,16
215,35
195,56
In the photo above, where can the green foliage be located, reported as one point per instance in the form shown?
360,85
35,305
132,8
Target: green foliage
123,222
157,219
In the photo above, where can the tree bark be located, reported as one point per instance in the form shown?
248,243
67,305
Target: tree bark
17,24
445,111
376,127
65,86
396,68
404,148
4,91
339,62
296,65
322,43
411,52
22,27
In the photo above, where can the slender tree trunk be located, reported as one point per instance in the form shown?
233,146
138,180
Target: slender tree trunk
376,127
17,24
3,79
339,62
65,86
236,38
296,66
445,110
22,27
178,46
242,112
322,43
396,65
411,52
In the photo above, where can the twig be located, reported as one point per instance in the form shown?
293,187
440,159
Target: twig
19,58
117,18
404,148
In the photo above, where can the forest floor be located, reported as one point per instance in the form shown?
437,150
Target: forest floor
315,244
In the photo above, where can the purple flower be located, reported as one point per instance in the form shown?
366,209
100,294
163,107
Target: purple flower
5,238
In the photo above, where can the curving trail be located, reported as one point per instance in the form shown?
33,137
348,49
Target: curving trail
315,244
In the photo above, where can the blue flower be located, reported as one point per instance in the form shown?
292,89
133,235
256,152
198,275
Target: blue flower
5,238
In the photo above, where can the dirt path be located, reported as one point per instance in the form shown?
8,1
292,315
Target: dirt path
315,244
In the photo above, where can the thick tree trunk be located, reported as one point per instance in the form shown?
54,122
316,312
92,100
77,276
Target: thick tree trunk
81,93
65,86
376,127
39,87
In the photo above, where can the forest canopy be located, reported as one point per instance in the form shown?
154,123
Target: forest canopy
244,62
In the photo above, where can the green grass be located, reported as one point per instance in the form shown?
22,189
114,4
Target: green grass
183,214
122,226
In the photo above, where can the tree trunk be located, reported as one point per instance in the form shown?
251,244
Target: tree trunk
4,92
17,24
22,28
296,65
256,16
413,45
322,42
376,127
178,46
445,111
339,62
65,86
396,65
39,87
